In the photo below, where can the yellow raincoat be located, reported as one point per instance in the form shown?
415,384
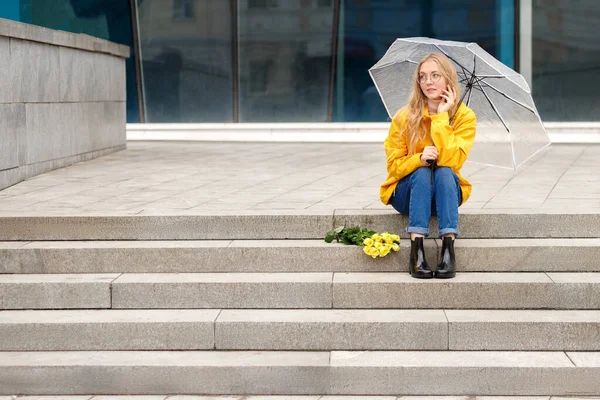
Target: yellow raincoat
453,145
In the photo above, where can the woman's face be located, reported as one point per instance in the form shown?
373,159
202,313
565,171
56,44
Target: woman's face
431,80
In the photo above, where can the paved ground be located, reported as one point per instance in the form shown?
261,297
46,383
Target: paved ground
202,177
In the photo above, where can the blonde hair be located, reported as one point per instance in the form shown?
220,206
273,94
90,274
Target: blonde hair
415,127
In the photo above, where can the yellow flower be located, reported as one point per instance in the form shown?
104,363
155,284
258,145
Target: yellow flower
368,242
395,238
372,251
378,245
388,238
376,237
384,251
395,247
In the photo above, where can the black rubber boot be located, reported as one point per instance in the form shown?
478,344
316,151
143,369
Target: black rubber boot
418,265
447,266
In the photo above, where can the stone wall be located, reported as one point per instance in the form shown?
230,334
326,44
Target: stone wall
62,99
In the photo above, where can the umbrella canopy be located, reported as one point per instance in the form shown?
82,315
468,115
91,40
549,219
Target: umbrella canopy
509,128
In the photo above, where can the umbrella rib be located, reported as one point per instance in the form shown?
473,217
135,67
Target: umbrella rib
465,71
472,79
512,147
480,79
493,76
508,97
391,63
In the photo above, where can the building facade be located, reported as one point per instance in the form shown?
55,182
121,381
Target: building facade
198,61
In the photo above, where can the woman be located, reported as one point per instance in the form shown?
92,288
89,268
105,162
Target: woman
433,128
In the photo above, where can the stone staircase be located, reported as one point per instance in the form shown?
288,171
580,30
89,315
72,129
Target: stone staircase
224,305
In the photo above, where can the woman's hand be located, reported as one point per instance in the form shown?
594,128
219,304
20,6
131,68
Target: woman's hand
429,153
449,98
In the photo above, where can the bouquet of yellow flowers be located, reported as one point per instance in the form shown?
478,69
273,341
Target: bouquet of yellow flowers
374,244
380,245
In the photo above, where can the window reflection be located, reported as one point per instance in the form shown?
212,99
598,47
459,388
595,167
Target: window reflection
187,60
183,9
284,60
566,59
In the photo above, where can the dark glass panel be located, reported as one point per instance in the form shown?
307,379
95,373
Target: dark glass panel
285,55
187,60
566,59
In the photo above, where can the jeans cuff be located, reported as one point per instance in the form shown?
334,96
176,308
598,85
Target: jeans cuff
416,229
448,230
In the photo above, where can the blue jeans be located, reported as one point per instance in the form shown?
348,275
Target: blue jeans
418,198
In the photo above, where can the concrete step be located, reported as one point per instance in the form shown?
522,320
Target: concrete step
306,373
472,290
286,225
537,330
358,290
469,290
27,330
55,291
485,255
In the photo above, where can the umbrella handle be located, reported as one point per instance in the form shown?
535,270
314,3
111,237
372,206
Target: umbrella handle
433,166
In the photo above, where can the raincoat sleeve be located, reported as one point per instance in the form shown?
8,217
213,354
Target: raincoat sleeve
455,144
399,163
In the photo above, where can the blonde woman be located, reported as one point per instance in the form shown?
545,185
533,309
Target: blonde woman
433,128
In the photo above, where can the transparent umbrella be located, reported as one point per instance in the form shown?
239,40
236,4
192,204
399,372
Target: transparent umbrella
509,128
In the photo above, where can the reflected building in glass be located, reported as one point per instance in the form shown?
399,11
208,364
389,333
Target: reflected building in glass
207,61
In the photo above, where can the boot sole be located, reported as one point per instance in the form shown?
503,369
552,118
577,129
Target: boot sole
445,276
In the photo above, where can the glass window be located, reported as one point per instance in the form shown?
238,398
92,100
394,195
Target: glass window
284,60
187,60
566,59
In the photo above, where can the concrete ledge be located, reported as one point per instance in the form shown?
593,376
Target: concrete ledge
80,41
62,96
284,225
335,132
